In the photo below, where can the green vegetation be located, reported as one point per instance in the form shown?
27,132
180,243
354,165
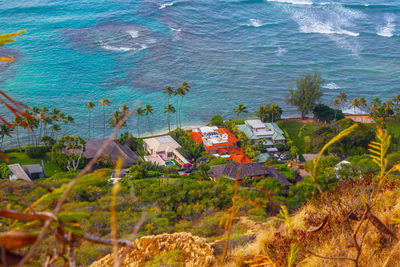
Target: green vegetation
326,114
297,131
269,113
23,159
306,94
36,152
217,120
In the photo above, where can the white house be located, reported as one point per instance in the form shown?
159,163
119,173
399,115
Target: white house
162,150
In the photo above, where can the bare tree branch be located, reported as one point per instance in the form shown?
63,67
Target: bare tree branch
71,185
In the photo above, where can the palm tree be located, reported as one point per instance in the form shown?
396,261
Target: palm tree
355,104
103,103
169,110
182,91
124,111
116,117
182,94
362,104
17,122
396,100
169,91
139,112
342,97
31,124
240,109
89,106
67,120
262,113
335,103
375,103
45,119
5,130
275,112
54,130
149,111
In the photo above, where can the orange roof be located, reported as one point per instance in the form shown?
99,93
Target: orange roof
240,158
222,150
196,136
225,144
210,148
231,137
237,155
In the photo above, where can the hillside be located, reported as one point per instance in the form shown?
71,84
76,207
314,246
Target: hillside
340,209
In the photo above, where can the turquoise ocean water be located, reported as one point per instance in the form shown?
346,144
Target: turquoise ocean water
230,52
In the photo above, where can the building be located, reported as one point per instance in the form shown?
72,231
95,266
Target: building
162,151
269,133
254,170
26,172
219,142
114,150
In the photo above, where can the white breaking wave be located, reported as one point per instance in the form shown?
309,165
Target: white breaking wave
134,34
175,29
255,23
281,51
162,6
353,110
295,2
388,29
122,48
325,19
331,86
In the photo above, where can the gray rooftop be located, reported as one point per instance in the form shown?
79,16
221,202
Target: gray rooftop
33,168
114,150
248,169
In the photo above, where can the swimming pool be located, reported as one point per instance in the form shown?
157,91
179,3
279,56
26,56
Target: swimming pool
169,163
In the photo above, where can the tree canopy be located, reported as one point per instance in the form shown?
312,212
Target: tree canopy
306,94
325,113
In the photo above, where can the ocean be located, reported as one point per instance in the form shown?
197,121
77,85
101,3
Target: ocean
229,51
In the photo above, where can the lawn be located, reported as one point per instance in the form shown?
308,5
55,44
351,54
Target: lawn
293,129
21,158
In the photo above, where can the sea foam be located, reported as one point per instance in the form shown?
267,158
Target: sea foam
134,34
331,86
162,6
325,19
294,2
123,48
255,22
388,29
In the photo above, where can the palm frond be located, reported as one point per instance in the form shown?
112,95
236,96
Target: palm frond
337,138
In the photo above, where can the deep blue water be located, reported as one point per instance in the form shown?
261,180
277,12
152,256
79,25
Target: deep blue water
229,51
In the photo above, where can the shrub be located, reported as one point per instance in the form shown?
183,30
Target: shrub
282,147
217,120
4,170
36,152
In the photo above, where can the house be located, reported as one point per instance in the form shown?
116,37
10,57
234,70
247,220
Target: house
219,142
26,172
114,150
162,151
254,170
269,133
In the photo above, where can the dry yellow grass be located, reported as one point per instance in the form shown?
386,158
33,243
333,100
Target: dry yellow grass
334,239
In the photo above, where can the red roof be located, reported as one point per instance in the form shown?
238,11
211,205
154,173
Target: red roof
222,150
210,148
196,136
231,137
240,158
236,154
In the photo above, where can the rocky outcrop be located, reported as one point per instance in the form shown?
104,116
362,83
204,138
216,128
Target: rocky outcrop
195,251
